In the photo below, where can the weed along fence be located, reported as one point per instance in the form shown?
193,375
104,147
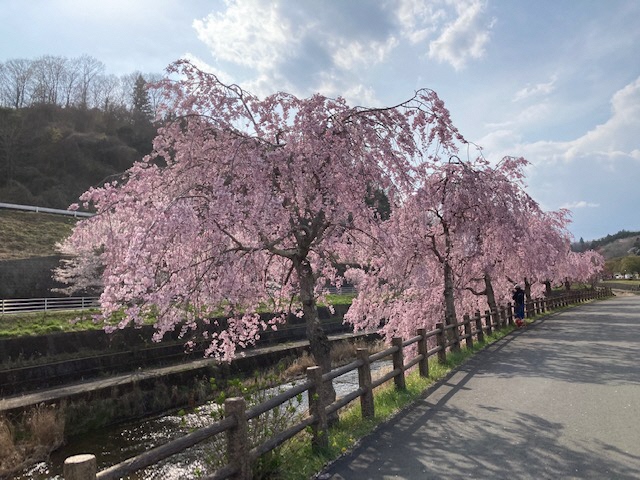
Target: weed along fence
241,454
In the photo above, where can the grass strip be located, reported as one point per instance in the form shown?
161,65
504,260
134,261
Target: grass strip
43,323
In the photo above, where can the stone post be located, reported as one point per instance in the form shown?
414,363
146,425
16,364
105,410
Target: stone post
80,467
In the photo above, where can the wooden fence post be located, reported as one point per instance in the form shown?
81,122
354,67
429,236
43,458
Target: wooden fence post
479,329
509,314
441,340
467,331
80,467
423,365
503,317
455,331
487,316
319,428
398,363
237,438
364,380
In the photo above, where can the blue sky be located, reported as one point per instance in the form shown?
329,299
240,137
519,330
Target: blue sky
555,81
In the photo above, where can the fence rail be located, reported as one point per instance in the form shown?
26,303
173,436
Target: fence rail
56,211
241,454
26,305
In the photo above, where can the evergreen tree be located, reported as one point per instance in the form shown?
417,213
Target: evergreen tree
142,111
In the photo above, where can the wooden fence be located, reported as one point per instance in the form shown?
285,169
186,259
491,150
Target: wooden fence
235,422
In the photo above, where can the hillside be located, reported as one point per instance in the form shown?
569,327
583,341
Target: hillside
50,155
29,234
620,248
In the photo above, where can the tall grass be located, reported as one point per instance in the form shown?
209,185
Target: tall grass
30,438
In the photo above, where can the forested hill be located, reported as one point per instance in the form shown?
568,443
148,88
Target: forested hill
50,155
616,245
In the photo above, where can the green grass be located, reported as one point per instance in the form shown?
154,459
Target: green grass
43,323
342,299
613,283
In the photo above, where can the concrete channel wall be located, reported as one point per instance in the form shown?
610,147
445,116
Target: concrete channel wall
47,361
102,401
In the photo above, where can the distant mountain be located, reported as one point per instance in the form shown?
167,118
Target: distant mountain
621,247
619,244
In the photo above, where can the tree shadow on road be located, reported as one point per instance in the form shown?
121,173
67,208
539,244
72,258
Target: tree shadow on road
585,345
490,438
435,440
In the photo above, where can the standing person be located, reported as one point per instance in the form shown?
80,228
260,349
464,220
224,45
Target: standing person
518,299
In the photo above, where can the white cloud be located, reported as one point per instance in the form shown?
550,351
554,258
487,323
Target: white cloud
299,46
420,20
535,90
465,37
580,204
532,115
617,137
251,33
350,53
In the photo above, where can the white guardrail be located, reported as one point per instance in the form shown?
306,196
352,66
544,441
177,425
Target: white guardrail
29,208
25,305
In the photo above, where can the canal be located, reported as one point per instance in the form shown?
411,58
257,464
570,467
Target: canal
120,442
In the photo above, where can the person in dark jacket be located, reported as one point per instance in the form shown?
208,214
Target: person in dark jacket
518,308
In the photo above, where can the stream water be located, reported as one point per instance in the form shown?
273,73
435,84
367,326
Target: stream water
117,443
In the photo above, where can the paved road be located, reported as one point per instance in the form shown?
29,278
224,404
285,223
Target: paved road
559,400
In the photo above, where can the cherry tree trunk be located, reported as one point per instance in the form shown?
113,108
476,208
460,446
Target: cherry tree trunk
449,303
318,340
491,296
547,288
527,290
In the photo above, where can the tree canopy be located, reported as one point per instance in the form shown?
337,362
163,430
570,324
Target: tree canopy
246,204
